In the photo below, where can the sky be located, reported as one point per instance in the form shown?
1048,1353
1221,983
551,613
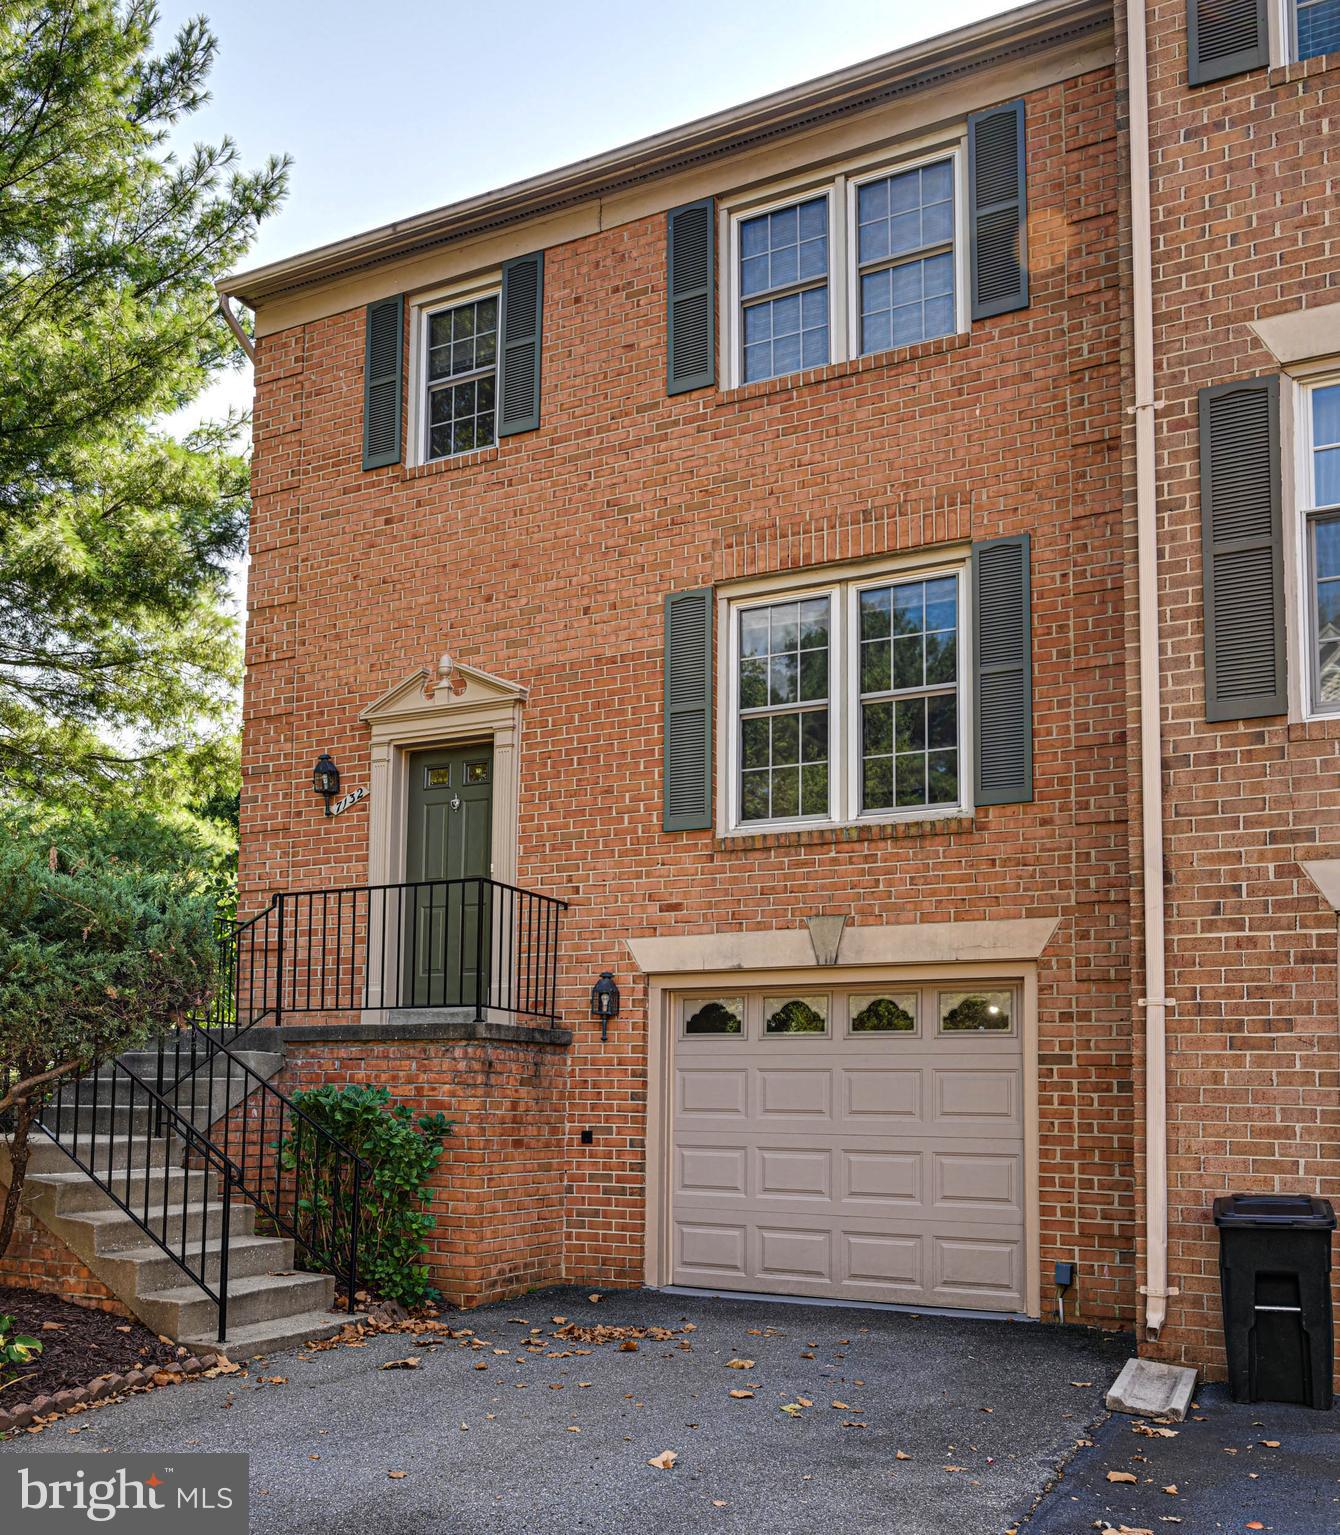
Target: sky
393,107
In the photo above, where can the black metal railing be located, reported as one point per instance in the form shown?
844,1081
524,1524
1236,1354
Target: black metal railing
303,1179
112,1124
469,943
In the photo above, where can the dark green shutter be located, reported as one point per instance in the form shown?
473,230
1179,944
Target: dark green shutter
519,346
690,259
1002,644
1225,37
688,710
382,359
998,210
1242,550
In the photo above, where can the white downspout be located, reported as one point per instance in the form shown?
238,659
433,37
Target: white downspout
1155,1289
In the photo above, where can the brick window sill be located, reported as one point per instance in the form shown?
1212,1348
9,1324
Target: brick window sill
857,831
875,362
1305,69
450,465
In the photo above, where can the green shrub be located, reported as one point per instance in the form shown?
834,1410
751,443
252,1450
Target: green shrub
394,1220
16,1350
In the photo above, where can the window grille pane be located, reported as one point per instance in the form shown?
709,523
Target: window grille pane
909,743
462,341
1326,445
785,249
1318,27
716,1015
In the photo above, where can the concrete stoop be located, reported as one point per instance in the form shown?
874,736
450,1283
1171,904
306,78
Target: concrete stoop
270,1305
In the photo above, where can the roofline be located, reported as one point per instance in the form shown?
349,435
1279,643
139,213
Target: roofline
1017,33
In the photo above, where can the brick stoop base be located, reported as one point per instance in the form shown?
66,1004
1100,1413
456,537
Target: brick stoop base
499,1192
37,1259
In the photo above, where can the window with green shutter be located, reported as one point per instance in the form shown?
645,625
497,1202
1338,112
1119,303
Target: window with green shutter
687,758
1002,671
1225,37
690,263
998,210
382,368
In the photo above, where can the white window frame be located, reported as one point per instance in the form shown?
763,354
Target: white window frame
1303,512
843,589
422,310
1282,27
839,186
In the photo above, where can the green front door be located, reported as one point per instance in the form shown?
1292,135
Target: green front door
446,926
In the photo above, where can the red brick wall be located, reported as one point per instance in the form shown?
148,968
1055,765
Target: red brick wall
545,561
498,1201
1244,197
37,1260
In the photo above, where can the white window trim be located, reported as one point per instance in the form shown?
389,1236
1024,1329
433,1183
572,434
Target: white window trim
839,188
843,588
1282,32
1298,499
468,291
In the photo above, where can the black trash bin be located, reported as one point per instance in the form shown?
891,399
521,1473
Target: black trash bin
1275,1275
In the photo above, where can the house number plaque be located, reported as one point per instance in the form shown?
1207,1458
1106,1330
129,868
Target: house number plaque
352,798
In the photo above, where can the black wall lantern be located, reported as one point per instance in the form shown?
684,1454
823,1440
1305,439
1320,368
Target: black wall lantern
326,778
605,1001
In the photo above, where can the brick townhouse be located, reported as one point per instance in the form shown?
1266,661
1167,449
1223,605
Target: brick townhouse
729,563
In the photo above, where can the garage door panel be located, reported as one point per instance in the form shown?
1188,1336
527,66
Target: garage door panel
713,1249
712,1170
978,1096
789,1172
795,1252
712,1091
795,1092
883,1260
872,1092
976,1184
976,1270
882,1176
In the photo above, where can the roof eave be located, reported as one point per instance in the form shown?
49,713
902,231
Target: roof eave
859,87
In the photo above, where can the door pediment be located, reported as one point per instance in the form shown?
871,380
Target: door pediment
422,697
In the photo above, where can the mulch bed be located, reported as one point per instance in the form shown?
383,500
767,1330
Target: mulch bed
77,1344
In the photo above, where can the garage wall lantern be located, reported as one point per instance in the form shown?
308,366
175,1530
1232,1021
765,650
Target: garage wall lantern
326,778
605,1001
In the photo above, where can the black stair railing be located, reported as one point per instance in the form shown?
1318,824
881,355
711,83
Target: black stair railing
306,1182
155,1164
478,944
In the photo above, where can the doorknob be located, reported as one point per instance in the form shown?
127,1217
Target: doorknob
455,803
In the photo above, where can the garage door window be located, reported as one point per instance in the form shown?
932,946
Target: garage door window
795,1015
883,1012
714,1015
976,1012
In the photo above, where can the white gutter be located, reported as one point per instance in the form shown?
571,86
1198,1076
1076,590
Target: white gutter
234,325
1155,1289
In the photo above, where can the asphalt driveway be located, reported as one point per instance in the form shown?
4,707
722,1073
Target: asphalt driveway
919,1425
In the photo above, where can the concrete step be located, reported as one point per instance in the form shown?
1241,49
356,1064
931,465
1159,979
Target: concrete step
114,1231
144,1190
247,1341
144,1270
45,1156
185,1310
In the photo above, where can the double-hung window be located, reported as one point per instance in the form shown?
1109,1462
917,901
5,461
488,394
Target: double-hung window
460,351
860,263
846,701
1320,486
1316,27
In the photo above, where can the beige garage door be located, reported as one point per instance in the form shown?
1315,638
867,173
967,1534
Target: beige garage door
865,1144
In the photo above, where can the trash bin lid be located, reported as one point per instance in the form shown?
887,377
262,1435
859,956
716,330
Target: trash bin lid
1293,1212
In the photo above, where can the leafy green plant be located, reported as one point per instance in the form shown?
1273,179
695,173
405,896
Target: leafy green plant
401,1151
16,1350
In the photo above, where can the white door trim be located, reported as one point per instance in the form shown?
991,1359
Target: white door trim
662,986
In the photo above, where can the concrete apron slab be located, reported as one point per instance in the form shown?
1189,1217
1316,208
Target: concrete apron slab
1147,1389
558,1441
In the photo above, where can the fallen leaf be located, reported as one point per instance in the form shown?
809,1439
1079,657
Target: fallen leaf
720,1503
628,1346
1081,1383
956,1468
739,1364
594,1299
273,1380
852,1423
1171,1489
559,1321
665,1460
741,1395
1255,1524
804,1401
573,1429
841,1406
792,1409
1271,1444
1122,1476
413,1363
901,1455
396,1476
1154,1433
60,1327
